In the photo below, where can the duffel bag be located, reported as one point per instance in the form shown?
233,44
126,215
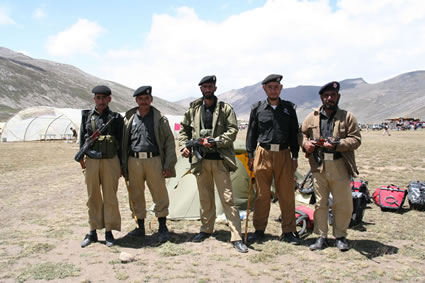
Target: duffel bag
389,198
416,195
359,208
361,187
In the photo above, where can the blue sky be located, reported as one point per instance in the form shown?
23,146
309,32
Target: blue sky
172,44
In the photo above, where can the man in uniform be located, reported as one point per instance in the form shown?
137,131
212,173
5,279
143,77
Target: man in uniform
335,167
149,154
103,167
272,135
214,122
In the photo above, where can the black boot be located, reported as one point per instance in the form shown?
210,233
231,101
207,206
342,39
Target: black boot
163,230
89,238
109,239
320,244
140,231
342,244
256,237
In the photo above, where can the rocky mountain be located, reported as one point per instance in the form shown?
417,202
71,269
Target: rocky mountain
401,96
26,82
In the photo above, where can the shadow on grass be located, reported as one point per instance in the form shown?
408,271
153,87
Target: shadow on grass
152,240
372,249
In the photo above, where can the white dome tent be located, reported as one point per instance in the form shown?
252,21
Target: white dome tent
41,123
50,123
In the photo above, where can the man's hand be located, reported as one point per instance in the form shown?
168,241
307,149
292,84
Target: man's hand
205,142
329,145
166,173
185,152
251,163
309,146
295,164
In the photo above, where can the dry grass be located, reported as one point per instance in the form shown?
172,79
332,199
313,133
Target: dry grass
44,218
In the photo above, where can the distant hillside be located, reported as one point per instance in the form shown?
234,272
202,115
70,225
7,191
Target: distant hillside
403,95
25,82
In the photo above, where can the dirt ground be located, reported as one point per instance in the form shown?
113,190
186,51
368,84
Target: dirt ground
43,218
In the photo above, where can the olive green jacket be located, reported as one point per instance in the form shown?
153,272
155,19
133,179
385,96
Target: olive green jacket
163,135
224,131
345,127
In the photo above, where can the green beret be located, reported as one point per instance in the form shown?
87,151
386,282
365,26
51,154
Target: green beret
147,89
330,86
208,79
272,78
101,89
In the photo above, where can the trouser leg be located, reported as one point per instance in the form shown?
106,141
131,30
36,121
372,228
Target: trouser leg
110,173
224,188
342,208
205,183
263,178
285,188
321,191
156,184
94,201
136,178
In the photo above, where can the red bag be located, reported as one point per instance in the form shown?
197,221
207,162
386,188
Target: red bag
389,198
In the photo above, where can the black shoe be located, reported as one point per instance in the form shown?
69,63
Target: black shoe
290,238
342,244
200,237
138,232
109,239
240,246
163,230
256,237
320,244
88,239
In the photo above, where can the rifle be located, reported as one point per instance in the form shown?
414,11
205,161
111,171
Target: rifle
195,145
85,149
317,153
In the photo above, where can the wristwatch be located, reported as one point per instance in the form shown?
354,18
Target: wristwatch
294,158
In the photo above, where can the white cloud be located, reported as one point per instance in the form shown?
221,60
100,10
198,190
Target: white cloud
306,41
4,17
39,14
79,38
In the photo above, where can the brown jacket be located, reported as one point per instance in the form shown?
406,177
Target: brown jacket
345,127
163,135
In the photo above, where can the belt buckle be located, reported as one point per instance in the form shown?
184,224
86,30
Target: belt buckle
328,156
274,147
143,155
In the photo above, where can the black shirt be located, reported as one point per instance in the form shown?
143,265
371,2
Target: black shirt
327,127
114,129
207,115
142,135
273,126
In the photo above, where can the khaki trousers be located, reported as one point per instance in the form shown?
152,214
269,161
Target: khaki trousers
149,170
277,164
213,171
103,203
333,179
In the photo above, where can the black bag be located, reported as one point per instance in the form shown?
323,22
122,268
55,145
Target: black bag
416,195
359,207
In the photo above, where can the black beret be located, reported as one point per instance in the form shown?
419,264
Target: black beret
101,89
330,86
272,78
208,79
146,89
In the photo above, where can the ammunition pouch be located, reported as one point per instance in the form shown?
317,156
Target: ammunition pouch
107,145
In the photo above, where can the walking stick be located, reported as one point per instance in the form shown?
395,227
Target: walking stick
247,207
131,203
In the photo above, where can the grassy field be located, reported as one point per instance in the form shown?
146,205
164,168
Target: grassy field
43,218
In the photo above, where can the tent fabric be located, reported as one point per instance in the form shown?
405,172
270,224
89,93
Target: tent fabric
41,123
50,123
184,195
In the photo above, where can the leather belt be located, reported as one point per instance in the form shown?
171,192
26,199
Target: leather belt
143,154
268,146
